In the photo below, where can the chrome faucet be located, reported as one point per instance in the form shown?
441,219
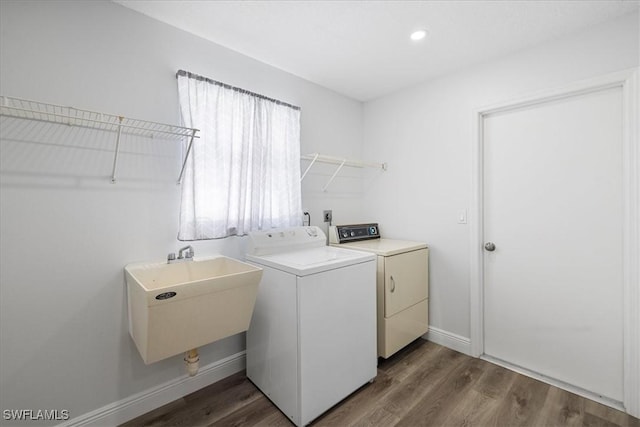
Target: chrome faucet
184,254
188,255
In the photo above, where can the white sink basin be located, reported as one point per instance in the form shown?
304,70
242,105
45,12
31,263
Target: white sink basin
177,307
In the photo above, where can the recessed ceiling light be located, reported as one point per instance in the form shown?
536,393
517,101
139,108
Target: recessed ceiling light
418,35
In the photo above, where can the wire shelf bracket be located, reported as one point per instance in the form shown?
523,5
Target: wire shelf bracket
51,113
341,162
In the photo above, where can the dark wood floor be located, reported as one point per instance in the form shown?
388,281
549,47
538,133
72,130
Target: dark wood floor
423,385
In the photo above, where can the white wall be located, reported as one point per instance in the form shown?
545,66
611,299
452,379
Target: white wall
425,133
66,232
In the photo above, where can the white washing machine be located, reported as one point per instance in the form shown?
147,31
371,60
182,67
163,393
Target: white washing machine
402,283
312,338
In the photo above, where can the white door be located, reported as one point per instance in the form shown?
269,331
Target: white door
553,208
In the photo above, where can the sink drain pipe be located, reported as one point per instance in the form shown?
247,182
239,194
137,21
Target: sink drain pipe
191,360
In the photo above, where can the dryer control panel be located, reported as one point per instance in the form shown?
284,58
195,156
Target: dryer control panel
353,233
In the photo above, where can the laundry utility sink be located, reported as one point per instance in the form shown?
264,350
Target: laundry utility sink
177,307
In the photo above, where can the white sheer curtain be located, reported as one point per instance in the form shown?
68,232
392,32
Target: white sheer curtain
244,170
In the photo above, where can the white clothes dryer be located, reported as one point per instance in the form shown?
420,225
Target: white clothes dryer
312,337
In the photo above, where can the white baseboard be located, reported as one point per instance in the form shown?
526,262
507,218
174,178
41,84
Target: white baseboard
448,339
140,403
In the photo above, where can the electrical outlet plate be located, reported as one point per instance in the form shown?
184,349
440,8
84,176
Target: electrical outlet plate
327,215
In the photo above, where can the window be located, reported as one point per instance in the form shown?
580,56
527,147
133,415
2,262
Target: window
244,171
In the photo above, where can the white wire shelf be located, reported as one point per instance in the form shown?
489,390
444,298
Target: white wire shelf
341,162
51,113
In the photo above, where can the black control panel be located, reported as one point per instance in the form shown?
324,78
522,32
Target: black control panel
352,233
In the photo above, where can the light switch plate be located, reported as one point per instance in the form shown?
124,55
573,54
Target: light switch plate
462,216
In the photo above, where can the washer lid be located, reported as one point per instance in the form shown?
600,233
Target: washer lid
311,261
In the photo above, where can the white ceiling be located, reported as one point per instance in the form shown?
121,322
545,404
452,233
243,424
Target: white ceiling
362,48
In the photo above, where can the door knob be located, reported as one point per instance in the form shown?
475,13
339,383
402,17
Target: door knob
490,246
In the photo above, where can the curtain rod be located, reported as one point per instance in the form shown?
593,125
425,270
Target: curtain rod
237,89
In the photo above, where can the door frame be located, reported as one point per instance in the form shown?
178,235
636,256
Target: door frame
628,81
